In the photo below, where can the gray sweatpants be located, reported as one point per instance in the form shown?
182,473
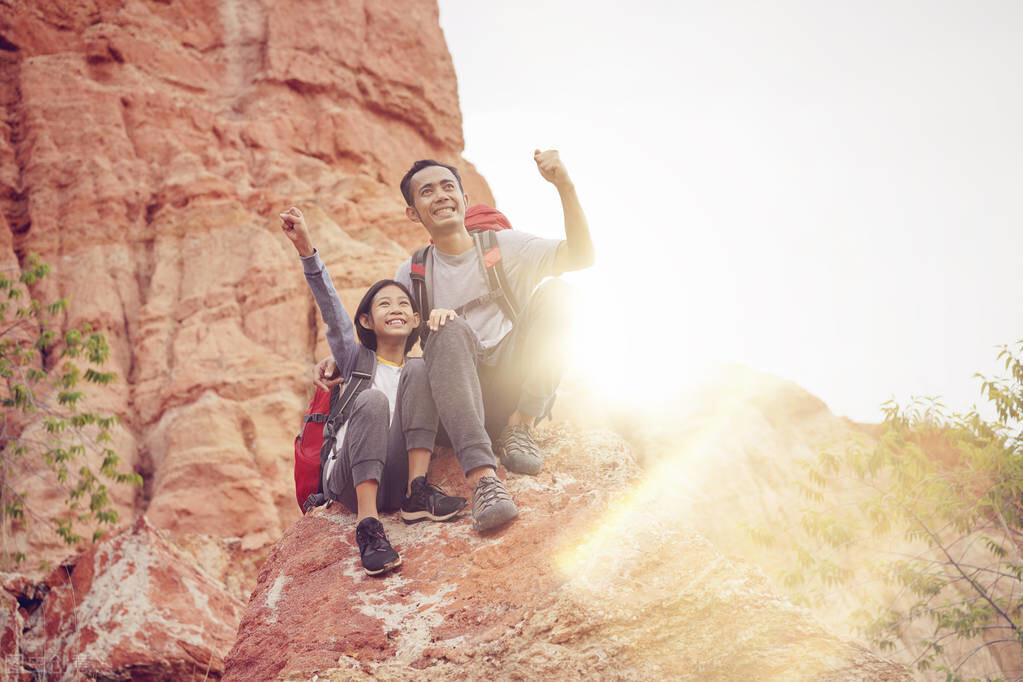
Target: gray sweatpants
477,390
372,450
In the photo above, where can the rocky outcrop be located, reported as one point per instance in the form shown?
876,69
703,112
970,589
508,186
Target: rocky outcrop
733,451
597,579
130,608
145,151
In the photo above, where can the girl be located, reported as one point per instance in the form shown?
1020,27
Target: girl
382,451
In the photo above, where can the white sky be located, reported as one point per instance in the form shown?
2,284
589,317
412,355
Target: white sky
827,191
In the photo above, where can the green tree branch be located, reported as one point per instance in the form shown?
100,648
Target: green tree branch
43,383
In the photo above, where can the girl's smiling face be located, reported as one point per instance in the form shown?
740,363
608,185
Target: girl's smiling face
390,314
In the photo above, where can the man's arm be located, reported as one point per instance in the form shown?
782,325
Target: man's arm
576,252
340,332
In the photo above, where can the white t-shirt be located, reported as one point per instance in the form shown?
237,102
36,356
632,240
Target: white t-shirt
385,379
458,279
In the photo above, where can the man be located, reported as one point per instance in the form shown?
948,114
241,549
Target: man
492,378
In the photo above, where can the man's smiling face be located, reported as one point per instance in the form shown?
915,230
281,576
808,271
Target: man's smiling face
438,201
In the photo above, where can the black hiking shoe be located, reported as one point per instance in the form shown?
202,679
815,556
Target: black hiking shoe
492,506
429,503
377,554
518,451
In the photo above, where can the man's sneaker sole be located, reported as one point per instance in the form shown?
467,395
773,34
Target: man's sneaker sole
492,505
496,516
389,567
424,515
522,465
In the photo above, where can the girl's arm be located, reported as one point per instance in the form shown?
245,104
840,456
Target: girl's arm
340,331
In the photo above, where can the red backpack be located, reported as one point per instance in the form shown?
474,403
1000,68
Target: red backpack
327,412
483,217
308,443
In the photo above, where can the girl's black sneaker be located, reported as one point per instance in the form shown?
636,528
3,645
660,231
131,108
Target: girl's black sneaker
377,554
429,503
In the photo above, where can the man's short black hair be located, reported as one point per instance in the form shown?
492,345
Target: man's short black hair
367,337
406,182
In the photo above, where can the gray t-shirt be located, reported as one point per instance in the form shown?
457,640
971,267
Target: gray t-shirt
458,279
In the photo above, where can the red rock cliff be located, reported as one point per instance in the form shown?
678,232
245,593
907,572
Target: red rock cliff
146,149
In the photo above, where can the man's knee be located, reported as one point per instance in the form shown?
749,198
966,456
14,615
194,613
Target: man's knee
454,333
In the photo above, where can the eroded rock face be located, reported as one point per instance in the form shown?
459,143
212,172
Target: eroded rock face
130,608
597,579
146,150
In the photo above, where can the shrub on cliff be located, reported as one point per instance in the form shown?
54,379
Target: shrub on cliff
42,384
934,509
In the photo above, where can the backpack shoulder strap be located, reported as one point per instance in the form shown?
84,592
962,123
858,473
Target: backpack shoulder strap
419,271
489,252
340,410
341,400
365,363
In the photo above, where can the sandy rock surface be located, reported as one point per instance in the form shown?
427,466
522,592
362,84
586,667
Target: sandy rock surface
594,580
